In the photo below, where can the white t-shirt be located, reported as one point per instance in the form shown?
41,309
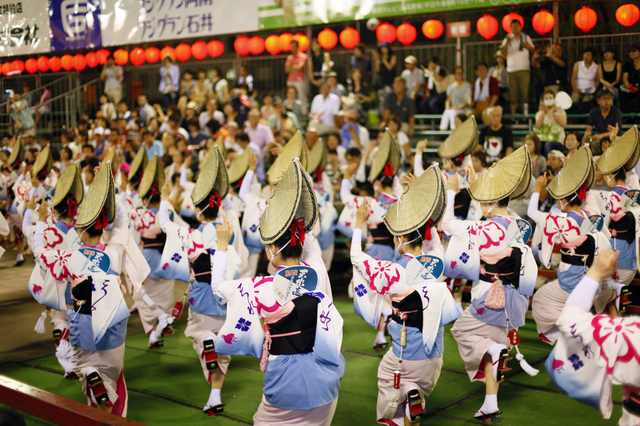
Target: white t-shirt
518,60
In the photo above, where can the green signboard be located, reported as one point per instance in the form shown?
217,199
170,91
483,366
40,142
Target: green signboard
276,14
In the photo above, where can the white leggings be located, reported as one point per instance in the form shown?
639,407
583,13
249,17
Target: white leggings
448,118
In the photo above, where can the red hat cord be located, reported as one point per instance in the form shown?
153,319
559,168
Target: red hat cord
460,158
101,221
319,172
214,199
427,231
72,206
582,192
297,231
154,188
388,169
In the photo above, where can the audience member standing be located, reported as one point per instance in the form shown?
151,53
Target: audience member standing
485,92
360,61
400,105
631,80
245,78
554,67
516,47
414,78
112,77
169,81
385,64
294,68
323,109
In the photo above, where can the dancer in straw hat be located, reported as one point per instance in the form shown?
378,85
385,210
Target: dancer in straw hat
60,235
18,189
187,249
40,187
493,252
300,348
578,231
422,304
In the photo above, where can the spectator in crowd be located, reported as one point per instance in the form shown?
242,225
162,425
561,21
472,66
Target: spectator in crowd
244,141
516,47
186,90
360,90
29,139
437,85
352,133
241,102
244,77
385,61
220,85
458,99
538,161
41,107
334,86
153,146
66,158
196,135
584,78
319,63
610,71
232,131
215,130
485,92
169,81
499,72
553,66
479,162
360,61
174,127
333,143
211,113
414,77
66,140
394,125
631,80
202,89
601,117
146,112
100,141
292,103
572,143
550,122
112,75
267,109
323,110
192,111
400,105
260,134
496,139
294,68
20,113
123,110
108,108
230,114
282,119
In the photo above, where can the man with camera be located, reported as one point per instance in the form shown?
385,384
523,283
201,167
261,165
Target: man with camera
20,113
112,77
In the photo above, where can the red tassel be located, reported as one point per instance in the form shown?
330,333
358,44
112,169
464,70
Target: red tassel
176,312
297,231
582,192
214,199
154,188
460,158
72,206
396,379
388,169
101,221
319,172
427,231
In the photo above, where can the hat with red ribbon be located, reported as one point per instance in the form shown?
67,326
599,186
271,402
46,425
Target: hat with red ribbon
152,178
387,159
99,206
575,177
69,190
138,165
213,181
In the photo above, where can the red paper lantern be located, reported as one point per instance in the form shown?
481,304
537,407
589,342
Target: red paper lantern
121,56
31,65
487,26
92,59
55,64
256,45
543,22
6,68
432,29
183,52
215,48
386,32
349,38
406,33
506,21
241,45
43,64
167,51
152,55
272,44
67,62
284,41
79,62
199,50
586,18
327,39
17,65
303,41
103,56
137,56
627,15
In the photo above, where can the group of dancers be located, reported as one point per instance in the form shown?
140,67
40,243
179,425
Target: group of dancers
412,239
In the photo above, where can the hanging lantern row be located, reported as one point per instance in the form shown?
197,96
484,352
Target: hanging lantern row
274,44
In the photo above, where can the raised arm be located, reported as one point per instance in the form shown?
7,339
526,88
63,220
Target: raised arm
604,265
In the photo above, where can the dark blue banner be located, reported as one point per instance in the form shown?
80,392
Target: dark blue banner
74,24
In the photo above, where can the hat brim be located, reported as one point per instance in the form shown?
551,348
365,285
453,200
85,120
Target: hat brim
503,178
239,166
101,194
388,151
461,140
213,176
153,173
572,175
43,161
70,183
295,148
317,157
17,154
139,162
623,153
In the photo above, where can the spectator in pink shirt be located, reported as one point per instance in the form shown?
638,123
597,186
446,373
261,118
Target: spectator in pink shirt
259,134
294,68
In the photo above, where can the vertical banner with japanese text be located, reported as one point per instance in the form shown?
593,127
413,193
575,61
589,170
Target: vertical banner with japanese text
24,27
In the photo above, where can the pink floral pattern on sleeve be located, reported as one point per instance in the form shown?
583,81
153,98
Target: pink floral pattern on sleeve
618,339
56,261
615,204
382,275
143,219
489,234
560,230
52,237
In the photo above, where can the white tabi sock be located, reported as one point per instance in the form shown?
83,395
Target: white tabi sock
214,398
380,338
19,258
153,337
494,352
490,404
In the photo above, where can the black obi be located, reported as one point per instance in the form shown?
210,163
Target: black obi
83,291
202,268
584,251
382,236
624,229
461,203
156,243
507,268
412,307
302,320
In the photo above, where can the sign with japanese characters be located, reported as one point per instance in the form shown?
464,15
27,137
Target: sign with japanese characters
75,24
24,27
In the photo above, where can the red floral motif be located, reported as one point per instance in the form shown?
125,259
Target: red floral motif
616,204
56,261
617,338
489,234
52,237
560,229
143,219
379,272
195,246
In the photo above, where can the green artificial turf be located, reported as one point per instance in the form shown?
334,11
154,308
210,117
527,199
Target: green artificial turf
167,387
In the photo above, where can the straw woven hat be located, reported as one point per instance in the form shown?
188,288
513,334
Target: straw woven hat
153,173
295,148
44,161
576,171
139,162
70,183
101,194
623,153
213,175
462,141
423,199
17,154
503,179
388,151
317,157
112,157
239,166
293,198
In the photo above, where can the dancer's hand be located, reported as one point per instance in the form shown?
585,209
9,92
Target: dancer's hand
165,191
604,265
452,183
43,212
362,214
224,233
32,203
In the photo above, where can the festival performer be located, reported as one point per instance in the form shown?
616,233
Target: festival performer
130,198
98,322
422,303
61,235
595,352
155,299
18,197
41,188
575,228
188,248
493,252
620,214
299,344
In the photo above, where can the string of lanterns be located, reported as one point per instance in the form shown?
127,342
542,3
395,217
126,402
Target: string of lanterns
543,22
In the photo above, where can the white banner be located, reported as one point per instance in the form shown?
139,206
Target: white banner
24,27
130,21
